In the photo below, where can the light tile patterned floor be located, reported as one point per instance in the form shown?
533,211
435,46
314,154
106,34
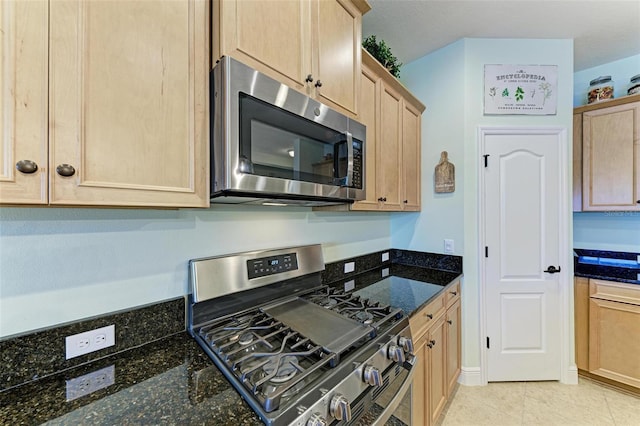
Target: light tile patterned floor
541,403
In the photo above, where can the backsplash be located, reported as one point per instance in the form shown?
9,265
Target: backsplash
33,356
334,271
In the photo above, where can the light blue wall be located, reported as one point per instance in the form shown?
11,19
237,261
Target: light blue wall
620,71
615,231
60,265
450,83
438,81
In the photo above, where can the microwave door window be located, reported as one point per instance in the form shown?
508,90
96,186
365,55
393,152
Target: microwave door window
282,145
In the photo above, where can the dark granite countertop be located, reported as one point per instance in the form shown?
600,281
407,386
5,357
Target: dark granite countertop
402,286
172,381
605,265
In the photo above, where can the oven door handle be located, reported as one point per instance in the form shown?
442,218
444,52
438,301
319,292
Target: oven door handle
397,399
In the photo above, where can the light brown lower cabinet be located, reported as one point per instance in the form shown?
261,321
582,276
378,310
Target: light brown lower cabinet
454,345
614,331
436,331
581,318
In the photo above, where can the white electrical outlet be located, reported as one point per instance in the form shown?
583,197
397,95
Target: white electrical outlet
349,267
385,272
349,285
448,246
385,256
91,382
90,341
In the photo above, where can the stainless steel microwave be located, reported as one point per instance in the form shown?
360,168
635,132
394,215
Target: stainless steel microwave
273,145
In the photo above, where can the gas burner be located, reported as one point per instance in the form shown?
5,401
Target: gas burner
364,317
245,339
328,303
287,367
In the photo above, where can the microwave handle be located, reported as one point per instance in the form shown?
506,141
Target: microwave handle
349,177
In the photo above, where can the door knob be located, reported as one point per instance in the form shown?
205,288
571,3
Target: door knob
552,269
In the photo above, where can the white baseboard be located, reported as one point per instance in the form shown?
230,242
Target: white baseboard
571,376
470,376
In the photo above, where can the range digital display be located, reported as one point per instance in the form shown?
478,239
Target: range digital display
271,265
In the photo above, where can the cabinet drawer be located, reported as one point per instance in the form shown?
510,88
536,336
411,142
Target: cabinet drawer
452,294
425,317
614,291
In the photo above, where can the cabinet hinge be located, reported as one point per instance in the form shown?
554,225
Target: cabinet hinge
486,251
488,346
486,161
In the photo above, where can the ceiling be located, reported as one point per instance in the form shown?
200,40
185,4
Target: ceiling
603,31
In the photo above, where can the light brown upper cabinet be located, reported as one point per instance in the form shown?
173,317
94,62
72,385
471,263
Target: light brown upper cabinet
310,45
127,103
393,118
611,155
24,39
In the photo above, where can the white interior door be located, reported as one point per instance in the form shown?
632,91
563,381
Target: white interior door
522,212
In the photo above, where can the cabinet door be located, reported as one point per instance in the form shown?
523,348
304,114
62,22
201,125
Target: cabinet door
614,341
369,95
611,154
128,103
337,39
24,33
436,375
419,401
453,352
411,118
389,153
272,36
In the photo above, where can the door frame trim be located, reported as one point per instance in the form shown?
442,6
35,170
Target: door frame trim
568,369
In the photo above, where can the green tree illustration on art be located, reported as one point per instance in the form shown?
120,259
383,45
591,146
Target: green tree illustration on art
519,94
505,93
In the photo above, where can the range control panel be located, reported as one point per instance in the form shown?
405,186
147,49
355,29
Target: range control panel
271,265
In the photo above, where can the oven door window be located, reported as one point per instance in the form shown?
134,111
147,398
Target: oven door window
276,143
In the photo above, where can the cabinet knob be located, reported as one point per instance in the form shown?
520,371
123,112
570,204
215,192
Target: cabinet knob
449,322
638,202
382,199
65,170
455,293
430,316
318,83
406,201
309,79
26,166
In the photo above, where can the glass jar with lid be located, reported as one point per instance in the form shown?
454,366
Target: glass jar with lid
600,89
634,85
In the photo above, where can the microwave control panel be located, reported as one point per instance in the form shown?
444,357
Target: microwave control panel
357,165
271,265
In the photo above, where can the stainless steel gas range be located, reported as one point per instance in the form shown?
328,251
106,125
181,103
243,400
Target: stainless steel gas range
300,352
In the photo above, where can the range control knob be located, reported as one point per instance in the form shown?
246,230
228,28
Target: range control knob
406,344
340,408
316,419
395,353
371,376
